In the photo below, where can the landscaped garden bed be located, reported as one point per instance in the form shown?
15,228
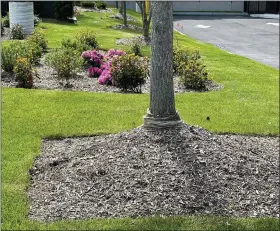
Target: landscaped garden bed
216,182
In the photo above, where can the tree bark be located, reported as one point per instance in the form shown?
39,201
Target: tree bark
124,14
162,112
146,19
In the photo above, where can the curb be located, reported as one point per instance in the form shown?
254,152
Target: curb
209,13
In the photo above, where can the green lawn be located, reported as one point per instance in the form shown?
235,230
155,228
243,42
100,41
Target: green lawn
248,104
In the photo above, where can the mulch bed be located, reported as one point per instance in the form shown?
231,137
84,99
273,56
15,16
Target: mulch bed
167,172
135,39
47,80
129,26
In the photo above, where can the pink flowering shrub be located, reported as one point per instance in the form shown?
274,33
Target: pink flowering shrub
101,63
94,72
93,57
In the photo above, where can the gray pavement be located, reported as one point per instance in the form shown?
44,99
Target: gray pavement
254,38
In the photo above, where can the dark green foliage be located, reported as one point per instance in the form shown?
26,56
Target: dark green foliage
88,4
192,71
38,38
17,32
101,5
129,72
63,9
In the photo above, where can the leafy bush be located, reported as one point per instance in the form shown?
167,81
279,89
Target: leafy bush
9,55
75,45
17,32
32,51
101,5
87,37
39,39
136,49
129,72
66,62
19,49
6,21
193,73
88,4
180,56
24,72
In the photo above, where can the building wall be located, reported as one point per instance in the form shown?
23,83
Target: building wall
189,6
131,5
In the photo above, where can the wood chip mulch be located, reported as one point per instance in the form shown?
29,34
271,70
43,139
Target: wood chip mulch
167,172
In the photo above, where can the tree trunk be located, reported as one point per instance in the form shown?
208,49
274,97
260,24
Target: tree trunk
124,14
162,113
121,8
146,29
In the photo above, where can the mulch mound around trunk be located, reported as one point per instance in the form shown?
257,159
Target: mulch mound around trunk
166,172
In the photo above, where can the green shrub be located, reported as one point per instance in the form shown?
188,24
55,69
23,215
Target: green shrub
66,62
101,5
193,73
136,49
9,55
87,37
180,56
129,72
39,39
75,45
88,4
33,52
17,32
6,21
24,72
19,49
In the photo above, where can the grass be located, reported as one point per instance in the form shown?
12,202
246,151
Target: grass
248,104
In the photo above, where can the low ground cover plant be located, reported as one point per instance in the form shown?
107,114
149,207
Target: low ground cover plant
17,32
190,68
66,62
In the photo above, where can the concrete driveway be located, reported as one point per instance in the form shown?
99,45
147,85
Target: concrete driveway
254,38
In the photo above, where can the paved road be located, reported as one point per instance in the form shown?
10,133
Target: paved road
254,38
